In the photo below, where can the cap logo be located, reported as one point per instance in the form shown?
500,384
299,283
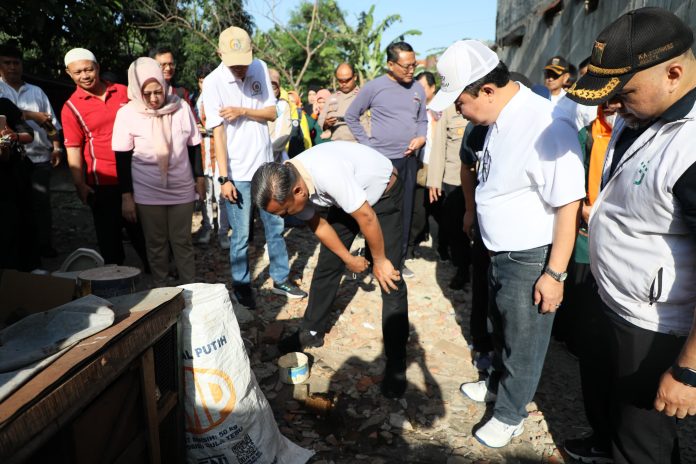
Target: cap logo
654,55
235,44
597,52
556,62
443,84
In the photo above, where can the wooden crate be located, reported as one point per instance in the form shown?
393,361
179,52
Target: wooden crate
116,397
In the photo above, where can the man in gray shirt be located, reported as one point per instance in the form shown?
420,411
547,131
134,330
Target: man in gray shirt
398,121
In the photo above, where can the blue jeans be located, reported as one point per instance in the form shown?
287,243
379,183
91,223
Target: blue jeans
519,331
239,216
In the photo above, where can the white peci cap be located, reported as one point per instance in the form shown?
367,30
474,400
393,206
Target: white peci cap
78,54
464,62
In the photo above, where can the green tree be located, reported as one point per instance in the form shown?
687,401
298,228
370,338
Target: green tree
363,43
304,50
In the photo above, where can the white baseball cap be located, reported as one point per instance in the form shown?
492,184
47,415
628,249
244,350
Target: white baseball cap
464,62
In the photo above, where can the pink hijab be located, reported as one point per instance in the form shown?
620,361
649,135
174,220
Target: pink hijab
141,72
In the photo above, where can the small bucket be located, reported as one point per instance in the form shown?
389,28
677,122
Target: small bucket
294,368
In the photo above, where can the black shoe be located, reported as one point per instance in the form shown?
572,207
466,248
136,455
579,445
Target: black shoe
289,290
586,450
299,341
460,279
394,383
245,296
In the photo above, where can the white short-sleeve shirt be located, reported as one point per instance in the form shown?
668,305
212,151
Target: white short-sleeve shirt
342,174
248,141
32,98
530,165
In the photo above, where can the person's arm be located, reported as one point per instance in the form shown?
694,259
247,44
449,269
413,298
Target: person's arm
264,115
673,397
383,269
125,183
196,161
75,163
548,291
418,141
227,190
467,174
352,117
436,161
329,238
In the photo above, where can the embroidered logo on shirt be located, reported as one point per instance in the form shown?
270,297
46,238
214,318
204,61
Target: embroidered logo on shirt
416,98
255,88
640,174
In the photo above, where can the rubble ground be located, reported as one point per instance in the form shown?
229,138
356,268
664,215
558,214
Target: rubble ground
339,412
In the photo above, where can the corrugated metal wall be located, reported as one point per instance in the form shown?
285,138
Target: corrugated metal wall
569,32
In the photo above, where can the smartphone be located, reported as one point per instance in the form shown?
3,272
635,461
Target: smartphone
340,118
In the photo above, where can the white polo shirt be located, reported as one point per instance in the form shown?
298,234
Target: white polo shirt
342,174
530,165
32,98
248,141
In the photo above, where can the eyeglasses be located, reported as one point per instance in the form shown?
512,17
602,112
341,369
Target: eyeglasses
485,165
167,65
345,81
406,67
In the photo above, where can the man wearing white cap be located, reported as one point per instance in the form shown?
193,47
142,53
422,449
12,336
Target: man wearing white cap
530,181
88,120
239,103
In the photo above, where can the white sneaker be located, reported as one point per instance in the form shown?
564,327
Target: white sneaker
496,434
477,391
225,242
407,273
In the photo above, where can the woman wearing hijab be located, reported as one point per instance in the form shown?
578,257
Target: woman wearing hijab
158,158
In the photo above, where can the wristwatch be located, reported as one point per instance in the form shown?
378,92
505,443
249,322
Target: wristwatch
685,375
557,276
223,180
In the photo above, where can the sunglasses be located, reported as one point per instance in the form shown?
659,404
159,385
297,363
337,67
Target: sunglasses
406,67
551,75
345,81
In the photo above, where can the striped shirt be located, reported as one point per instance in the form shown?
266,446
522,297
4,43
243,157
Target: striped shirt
88,124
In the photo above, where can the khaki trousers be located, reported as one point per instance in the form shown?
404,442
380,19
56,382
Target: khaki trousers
165,225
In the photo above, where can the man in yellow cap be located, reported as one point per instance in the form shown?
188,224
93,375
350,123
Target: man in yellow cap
239,102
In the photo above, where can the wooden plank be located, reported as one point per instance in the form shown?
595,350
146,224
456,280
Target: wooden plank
134,451
129,309
147,382
166,404
52,410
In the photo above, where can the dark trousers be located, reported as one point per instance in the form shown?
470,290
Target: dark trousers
407,169
637,359
41,203
419,220
451,233
478,321
18,248
582,320
108,222
330,268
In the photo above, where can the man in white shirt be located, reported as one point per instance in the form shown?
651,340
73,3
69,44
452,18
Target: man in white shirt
364,194
239,103
45,151
530,182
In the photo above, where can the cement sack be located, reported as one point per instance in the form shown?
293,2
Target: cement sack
228,419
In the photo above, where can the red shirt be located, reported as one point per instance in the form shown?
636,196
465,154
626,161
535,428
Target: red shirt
88,123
